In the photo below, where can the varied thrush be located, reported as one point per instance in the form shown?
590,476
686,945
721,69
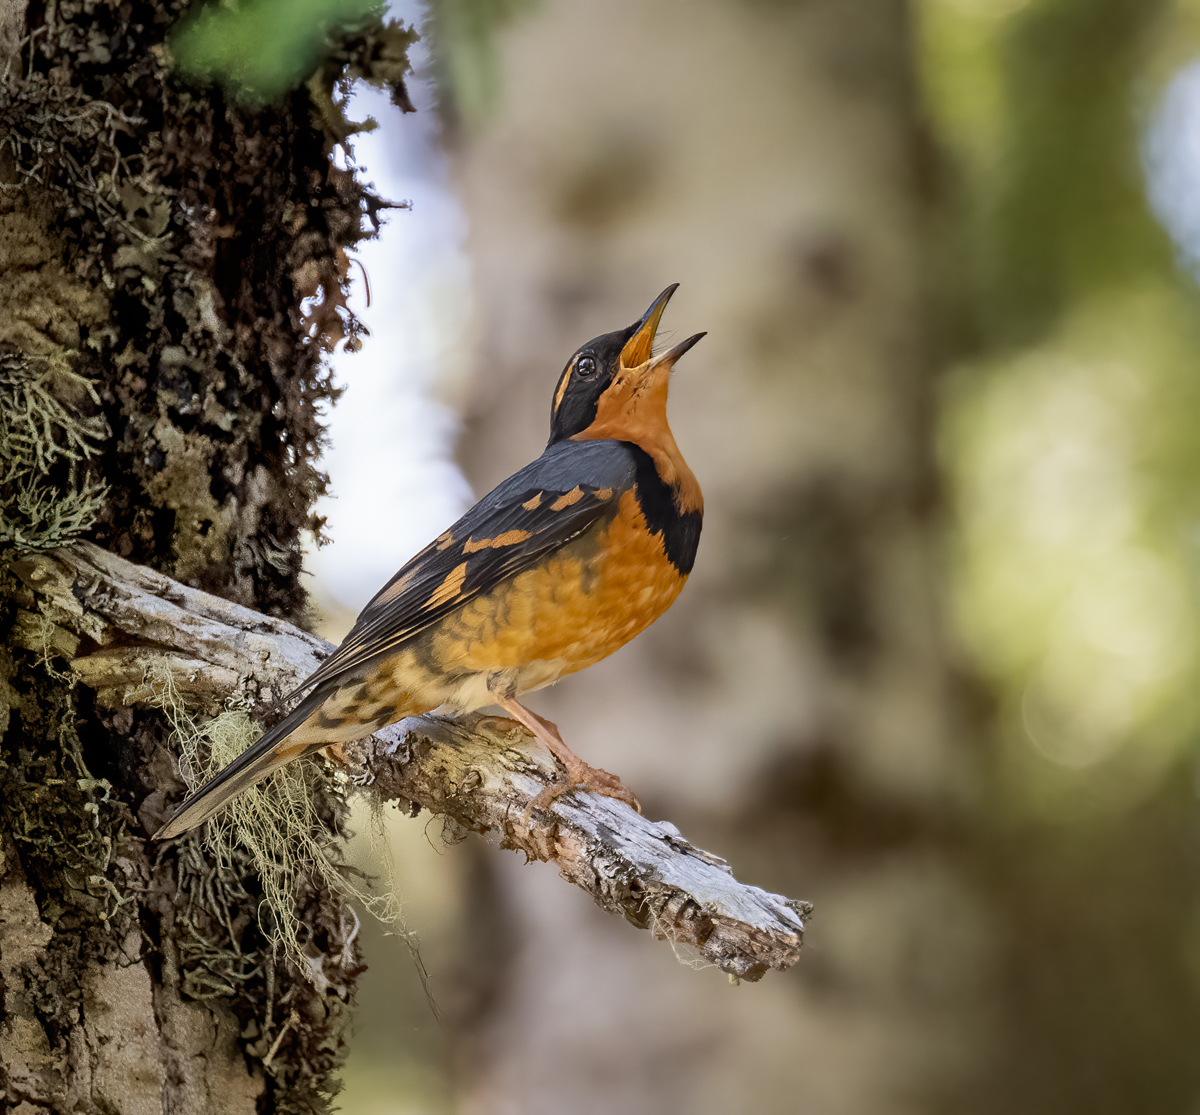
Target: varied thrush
564,562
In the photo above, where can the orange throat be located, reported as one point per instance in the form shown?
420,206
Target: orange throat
634,409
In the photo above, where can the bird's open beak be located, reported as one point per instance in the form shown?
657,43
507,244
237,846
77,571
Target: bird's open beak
638,348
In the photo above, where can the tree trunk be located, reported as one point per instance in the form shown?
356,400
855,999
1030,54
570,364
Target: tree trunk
161,386
797,703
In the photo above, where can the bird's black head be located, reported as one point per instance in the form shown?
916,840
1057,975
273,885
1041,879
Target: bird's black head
617,363
588,374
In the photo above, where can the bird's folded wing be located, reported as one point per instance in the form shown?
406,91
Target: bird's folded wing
533,513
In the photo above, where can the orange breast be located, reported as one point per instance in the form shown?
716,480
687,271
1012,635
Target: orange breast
575,608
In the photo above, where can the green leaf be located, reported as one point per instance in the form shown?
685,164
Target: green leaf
257,50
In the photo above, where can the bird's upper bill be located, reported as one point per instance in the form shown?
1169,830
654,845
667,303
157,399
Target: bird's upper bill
637,351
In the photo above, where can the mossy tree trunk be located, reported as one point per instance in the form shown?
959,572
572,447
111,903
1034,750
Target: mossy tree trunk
171,276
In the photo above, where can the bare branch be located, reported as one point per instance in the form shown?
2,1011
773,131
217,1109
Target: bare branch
112,620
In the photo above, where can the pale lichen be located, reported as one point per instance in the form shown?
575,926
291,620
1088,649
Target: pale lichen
47,494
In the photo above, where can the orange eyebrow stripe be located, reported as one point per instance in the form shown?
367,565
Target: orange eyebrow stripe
450,587
508,538
533,504
562,387
566,500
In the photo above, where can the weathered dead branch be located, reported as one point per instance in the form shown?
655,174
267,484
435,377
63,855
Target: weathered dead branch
112,621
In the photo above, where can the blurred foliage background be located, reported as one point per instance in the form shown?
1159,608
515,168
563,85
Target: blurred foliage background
1070,439
1069,428
1047,154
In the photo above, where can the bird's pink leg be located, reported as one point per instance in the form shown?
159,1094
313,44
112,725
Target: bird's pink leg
578,772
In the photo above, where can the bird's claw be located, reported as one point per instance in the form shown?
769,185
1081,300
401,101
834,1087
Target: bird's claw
582,777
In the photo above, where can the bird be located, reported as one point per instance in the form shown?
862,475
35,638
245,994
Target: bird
550,572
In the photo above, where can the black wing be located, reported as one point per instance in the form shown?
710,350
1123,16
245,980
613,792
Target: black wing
535,511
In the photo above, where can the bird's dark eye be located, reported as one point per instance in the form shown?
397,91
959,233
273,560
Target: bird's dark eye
586,366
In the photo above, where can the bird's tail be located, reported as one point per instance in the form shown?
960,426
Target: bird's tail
271,751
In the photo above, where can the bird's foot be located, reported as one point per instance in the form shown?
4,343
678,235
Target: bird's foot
581,776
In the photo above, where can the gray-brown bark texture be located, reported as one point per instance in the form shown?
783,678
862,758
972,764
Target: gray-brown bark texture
161,385
796,707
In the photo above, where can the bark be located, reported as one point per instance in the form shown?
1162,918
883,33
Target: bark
172,273
121,627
